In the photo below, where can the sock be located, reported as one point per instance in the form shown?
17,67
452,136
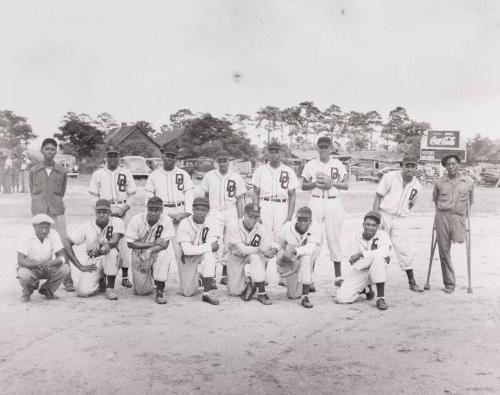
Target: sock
111,281
160,286
409,273
337,267
207,284
124,272
305,290
261,287
380,290
224,271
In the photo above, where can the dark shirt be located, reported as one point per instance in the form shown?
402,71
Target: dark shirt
453,195
47,192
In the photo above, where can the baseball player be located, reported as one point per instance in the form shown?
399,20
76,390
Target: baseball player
248,244
101,237
40,255
325,176
197,236
225,190
299,243
397,193
453,195
115,184
368,255
148,235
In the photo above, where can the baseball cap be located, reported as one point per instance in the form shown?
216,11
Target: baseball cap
49,140
112,148
201,201
102,204
304,212
373,215
446,157
324,140
155,201
410,158
169,149
251,208
222,154
274,145
42,218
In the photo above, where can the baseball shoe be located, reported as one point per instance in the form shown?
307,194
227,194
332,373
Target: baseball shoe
214,284
47,293
126,283
370,294
223,280
381,305
248,292
312,288
70,288
102,285
209,299
306,302
414,287
448,290
111,294
282,282
338,281
160,299
264,299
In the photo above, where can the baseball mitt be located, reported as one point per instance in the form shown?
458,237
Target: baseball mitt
287,266
144,261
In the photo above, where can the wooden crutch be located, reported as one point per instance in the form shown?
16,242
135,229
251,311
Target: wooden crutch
427,286
468,248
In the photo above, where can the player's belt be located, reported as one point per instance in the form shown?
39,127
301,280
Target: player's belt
267,199
325,197
117,201
170,205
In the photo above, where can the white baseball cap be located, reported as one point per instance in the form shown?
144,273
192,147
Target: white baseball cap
41,218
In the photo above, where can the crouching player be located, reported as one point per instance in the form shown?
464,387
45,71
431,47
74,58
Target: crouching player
299,242
101,237
248,244
197,236
369,251
149,235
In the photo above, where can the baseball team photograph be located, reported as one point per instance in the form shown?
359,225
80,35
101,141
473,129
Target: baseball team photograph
183,210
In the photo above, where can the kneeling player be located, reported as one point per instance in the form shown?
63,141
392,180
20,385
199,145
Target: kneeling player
149,235
369,252
248,243
299,243
197,237
101,237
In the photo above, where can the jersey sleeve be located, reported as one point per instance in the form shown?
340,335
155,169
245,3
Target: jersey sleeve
383,185
188,182
118,226
132,231
56,241
149,188
294,181
307,172
241,188
256,178
131,185
94,184
183,232
204,183
169,227
77,236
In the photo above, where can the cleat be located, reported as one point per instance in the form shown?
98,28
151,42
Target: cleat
209,299
414,287
338,281
70,288
160,299
47,293
282,283
370,294
312,288
448,290
126,283
248,292
264,299
306,302
111,294
223,280
381,305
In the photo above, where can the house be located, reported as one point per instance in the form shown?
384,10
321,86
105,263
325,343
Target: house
133,136
170,137
376,159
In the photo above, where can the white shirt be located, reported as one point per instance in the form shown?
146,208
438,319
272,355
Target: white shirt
172,187
306,243
116,186
139,229
223,189
396,199
91,233
31,246
197,239
275,183
333,168
378,246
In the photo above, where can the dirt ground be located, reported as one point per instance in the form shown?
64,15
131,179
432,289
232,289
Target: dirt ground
428,343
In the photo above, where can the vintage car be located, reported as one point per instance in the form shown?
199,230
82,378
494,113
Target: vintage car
137,165
69,163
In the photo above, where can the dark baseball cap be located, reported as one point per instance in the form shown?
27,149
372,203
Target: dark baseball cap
155,201
372,215
49,140
410,158
112,148
274,145
201,201
446,157
324,140
252,209
304,212
102,204
169,149
222,154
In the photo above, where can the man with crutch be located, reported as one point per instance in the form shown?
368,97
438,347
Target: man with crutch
452,195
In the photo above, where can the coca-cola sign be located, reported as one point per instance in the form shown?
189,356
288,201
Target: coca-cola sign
441,139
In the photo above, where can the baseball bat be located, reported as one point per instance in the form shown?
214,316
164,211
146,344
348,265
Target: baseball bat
427,286
468,247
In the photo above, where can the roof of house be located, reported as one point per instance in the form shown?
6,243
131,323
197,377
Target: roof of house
118,136
386,156
169,137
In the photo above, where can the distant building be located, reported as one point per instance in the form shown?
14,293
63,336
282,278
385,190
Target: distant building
376,159
133,135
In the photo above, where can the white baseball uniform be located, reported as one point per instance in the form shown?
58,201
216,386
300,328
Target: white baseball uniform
395,208
107,265
307,246
118,187
326,205
274,185
254,239
139,230
195,242
370,269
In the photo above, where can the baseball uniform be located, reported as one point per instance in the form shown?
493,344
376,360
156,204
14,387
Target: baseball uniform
370,269
394,209
139,229
107,265
326,206
307,246
118,187
195,242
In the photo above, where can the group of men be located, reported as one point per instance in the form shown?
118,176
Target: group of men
220,228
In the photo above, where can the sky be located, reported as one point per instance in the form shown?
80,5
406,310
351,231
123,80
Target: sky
145,60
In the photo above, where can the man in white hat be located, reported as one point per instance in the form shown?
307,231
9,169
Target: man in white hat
40,255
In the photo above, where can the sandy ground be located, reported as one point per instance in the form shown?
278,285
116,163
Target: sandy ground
428,343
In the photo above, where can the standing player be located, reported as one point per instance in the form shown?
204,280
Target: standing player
148,235
225,190
299,242
325,176
197,237
397,193
452,195
115,184
368,255
248,243
101,237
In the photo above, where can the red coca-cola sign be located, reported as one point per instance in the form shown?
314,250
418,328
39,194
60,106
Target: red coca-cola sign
441,139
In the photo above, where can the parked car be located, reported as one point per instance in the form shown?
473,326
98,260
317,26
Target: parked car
197,167
154,163
69,163
137,166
